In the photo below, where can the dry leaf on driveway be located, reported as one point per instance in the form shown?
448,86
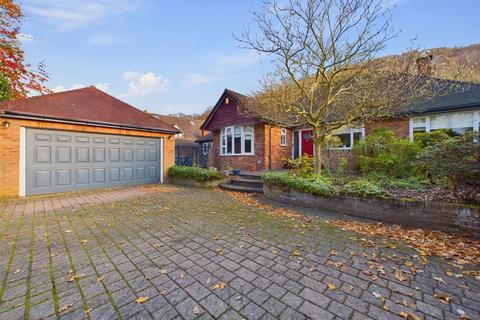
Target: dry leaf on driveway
66,307
409,315
443,298
331,286
378,296
83,241
196,310
399,275
141,299
74,277
220,285
439,280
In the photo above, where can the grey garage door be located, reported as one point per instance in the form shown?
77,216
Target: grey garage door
58,161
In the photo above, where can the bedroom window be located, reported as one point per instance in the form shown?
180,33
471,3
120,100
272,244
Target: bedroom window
283,137
236,140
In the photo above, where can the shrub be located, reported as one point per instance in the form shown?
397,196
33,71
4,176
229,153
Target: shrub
317,185
302,166
194,173
382,153
363,188
456,160
426,139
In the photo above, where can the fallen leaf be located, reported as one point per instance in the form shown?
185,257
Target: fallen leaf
443,298
331,286
378,296
274,251
295,253
196,310
399,275
74,277
220,285
162,271
409,315
87,311
163,292
219,251
17,271
439,280
66,307
100,279
141,299
83,241
68,231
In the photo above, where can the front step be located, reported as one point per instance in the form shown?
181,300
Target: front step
247,176
240,188
247,182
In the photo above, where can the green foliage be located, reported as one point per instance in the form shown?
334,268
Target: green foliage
317,185
382,153
194,173
413,182
426,139
457,160
302,166
363,188
5,89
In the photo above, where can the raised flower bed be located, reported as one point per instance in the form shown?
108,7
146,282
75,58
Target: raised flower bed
194,176
367,202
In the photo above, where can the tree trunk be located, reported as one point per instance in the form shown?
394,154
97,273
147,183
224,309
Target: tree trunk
318,144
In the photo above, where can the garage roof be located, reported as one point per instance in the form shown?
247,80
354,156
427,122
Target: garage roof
87,105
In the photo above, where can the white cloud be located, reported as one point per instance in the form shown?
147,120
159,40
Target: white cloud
197,79
105,87
143,84
68,15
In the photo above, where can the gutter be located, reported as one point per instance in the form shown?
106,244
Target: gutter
27,116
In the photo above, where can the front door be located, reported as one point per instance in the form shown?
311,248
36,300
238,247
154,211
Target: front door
307,142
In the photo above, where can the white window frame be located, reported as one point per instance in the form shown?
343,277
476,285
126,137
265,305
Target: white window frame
223,138
426,124
283,137
350,131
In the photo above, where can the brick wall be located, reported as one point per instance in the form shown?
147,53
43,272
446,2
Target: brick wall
399,126
260,160
447,217
10,148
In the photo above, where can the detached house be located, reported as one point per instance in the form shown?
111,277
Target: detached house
248,143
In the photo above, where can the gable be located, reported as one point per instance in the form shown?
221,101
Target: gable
226,113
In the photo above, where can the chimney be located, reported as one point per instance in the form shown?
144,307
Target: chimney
424,63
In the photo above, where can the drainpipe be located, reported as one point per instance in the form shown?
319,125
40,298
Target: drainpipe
270,147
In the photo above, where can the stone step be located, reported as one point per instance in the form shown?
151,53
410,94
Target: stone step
247,182
254,177
237,188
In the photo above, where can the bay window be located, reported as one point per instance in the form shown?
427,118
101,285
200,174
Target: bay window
458,123
236,140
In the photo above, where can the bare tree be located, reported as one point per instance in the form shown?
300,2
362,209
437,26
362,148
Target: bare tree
327,73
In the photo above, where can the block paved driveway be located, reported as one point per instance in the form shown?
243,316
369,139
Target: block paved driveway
202,254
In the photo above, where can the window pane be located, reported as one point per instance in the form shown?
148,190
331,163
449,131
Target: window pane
461,131
419,120
248,129
357,136
344,140
238,144
248,145
419,129
229,141
238,131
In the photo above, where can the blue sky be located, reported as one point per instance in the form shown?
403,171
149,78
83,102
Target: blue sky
178,56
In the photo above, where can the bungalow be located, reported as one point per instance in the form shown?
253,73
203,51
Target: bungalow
248,143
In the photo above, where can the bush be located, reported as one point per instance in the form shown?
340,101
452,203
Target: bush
314,184
457,160
413,182
194,173
426,139
363,188
382,153
302,166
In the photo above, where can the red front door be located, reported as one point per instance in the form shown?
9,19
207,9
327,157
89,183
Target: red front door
307,142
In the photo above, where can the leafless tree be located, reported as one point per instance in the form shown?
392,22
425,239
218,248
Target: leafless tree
327,73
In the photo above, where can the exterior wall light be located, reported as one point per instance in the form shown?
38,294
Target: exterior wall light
5,124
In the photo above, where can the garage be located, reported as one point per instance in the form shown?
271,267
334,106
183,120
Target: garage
78,140
59,161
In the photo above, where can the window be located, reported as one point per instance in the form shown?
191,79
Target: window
459,122
346,138
283,137
236,140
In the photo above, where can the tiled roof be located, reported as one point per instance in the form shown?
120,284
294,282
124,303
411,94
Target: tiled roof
86,105
190,128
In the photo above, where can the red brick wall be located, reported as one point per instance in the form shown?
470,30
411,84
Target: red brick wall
259,161
399,126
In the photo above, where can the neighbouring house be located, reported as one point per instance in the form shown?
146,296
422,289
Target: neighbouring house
80,139
187,151
248,143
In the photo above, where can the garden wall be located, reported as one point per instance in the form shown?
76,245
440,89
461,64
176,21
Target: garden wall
414,213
